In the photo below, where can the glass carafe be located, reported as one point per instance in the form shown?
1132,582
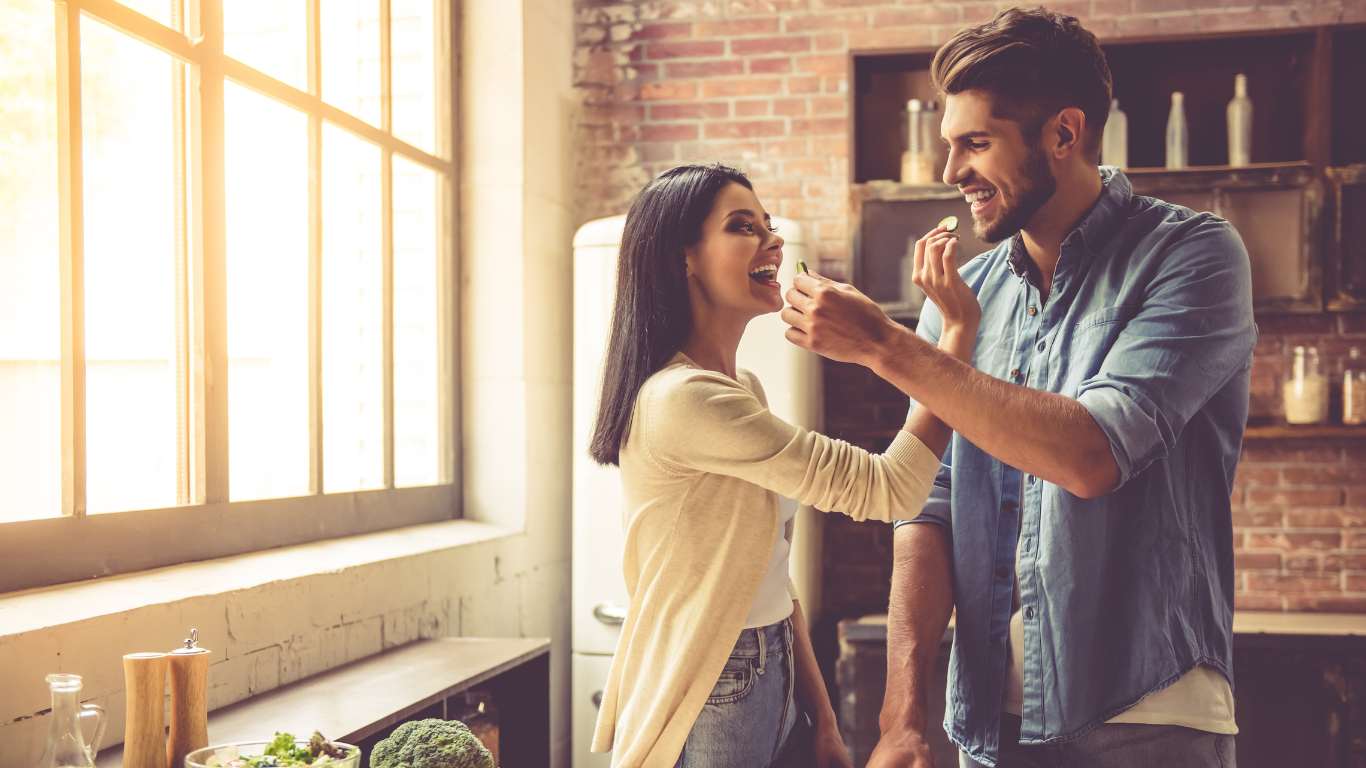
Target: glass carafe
1305,392
66,746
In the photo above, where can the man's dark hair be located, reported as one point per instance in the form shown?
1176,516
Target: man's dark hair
1032,64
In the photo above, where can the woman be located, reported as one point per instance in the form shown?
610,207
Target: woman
714,645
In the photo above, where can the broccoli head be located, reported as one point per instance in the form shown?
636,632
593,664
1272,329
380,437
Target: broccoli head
431,744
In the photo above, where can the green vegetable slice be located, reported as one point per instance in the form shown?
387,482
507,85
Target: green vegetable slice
949,223
801,266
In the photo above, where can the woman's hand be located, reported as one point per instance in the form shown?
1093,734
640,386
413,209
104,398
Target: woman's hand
936,273
828,747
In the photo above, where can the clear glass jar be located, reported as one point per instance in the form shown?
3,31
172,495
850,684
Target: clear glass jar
1354,390
919,163
1305,391
66,747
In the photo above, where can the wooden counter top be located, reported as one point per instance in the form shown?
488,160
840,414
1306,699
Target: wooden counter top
873,627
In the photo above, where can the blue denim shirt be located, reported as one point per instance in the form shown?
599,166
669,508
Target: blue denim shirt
1149,326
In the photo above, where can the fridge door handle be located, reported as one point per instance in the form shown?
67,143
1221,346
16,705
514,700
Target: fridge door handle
609,614
597,699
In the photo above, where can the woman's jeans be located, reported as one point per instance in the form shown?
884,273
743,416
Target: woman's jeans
752,718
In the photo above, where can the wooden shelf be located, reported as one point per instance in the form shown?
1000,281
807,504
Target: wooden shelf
1325,431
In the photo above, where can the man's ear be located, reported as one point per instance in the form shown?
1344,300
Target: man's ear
1069,130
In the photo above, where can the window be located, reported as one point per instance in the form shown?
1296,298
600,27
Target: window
226,277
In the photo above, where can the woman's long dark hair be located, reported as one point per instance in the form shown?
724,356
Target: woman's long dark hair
651,318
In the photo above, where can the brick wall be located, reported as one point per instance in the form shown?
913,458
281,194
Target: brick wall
763,84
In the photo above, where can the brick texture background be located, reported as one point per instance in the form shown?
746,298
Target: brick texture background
764,85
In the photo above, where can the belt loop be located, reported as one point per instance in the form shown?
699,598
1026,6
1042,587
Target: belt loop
763,648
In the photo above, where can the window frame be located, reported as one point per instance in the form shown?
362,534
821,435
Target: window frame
77,546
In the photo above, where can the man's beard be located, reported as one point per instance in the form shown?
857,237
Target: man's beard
1039,186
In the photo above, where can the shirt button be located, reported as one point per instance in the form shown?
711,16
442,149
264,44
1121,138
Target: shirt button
1008,505
1033,310
1014,373
1031,479
1029,613
993,638
1003,571
1041,345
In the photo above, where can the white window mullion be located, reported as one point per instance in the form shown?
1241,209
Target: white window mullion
315,235
209,263
386,92
71,220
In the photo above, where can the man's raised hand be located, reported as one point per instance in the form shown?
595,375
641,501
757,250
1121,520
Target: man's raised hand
835,320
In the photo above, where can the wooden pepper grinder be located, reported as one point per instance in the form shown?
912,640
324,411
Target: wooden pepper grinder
144,740
189,673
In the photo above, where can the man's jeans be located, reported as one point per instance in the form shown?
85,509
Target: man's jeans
1115,745
752,718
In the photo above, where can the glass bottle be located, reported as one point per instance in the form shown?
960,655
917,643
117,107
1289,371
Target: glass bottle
1305,393
1354,390
1114,143
66,746
1240,124
918,164
1177,139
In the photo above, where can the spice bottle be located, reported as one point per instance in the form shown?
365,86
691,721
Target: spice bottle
1114,143
1240,124
1305,392
1354,390
1177,138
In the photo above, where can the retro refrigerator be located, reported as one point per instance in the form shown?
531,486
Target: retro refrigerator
791,379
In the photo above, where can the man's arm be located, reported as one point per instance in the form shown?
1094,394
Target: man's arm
921,602
1050,436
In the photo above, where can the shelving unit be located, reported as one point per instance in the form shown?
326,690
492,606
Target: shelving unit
1301,207
1326,431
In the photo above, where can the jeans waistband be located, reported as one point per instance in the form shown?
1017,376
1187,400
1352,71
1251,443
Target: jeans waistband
776,637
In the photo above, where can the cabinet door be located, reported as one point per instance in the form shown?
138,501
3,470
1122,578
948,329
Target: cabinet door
1346,266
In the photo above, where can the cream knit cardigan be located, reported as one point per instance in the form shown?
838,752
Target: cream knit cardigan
701,472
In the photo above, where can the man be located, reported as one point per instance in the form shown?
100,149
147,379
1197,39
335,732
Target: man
1081,523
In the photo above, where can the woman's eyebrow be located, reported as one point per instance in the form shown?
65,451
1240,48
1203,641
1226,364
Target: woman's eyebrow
747,212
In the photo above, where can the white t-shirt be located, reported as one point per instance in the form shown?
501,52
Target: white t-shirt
773,603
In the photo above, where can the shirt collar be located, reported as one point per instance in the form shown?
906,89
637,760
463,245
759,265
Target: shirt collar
1095,227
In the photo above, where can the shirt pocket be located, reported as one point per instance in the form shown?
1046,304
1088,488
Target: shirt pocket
1087,344
737,678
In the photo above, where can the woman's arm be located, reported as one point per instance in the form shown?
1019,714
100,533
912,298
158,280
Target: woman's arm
936,272
828,747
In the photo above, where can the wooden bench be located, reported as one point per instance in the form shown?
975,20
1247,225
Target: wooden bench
362,702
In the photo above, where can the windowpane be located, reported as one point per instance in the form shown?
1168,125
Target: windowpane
350,57
413,37
353,319
269,35
416,278
30,300
267,202
127,113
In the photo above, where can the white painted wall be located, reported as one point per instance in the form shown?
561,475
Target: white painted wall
274,617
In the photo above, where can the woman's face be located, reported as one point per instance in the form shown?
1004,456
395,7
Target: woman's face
733,267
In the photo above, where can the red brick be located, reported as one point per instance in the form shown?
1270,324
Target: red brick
1100,9
918,16
1258,560
750,86
832,252
823,64
682,50
720,149
663,31
778,190
1321,475
1316,497
770,66
826,22
798,84
830,147
668,91
711,68
668,132
831,230
1258,519
793,147
753,7
974,13
1253,475
1325,518
1354,582
830,41
825,4
1326,603
1355,540
905,37
1288,583
789,107
1257,603
1276,452
819,126
612,113
813,209
1344,563
1292,541
825,105
1356,495
755,108
661,152
701,110
1305,561
761,46
735,27
816,167
744,129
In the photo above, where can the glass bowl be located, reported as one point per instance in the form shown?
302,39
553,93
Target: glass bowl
226,752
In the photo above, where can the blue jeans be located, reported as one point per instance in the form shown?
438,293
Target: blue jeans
752,718
1115,745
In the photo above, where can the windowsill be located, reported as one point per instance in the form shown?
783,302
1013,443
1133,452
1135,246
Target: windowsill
44,607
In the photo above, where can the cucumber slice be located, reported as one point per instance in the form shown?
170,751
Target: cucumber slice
801,266
949,223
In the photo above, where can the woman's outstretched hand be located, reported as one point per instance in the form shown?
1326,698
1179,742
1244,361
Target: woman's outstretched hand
936,273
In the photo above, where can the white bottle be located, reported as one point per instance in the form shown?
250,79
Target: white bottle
1240,124
1114,143
1176,132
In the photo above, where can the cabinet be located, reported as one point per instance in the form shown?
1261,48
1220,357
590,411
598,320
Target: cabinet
1300,207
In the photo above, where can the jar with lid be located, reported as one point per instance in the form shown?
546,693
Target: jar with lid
1354,389
1305,391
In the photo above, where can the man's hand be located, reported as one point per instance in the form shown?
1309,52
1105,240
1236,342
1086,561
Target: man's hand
835,320
902,750
936,272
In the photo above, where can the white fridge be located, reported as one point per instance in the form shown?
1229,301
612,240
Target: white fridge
791,379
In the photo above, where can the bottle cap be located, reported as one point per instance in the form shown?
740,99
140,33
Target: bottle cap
191,645
914,105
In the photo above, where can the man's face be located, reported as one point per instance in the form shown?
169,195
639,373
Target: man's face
1006,180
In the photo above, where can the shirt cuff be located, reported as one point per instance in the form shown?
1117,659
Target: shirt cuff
1131,430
